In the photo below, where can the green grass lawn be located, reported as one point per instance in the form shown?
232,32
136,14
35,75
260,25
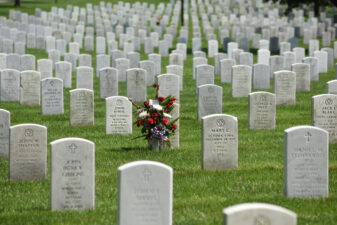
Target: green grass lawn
199,195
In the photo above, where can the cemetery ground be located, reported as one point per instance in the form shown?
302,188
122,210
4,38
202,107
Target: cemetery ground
198,195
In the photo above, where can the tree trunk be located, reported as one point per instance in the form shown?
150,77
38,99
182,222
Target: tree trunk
182,13
16,3
316,8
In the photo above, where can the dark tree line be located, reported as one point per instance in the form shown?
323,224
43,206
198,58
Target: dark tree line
317,4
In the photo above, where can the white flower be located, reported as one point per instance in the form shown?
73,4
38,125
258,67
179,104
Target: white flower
142,115
167,116
157,107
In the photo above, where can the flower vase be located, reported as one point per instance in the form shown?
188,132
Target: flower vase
155,144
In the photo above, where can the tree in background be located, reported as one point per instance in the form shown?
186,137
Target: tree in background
17,3
316,3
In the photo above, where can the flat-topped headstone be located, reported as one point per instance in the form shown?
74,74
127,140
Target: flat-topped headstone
258,214
72,174
45,67
226,70
136,84
81,107
118,115
9,85
302,71
204,74
30,88
52,96
84,77
241,81
219,142
108,82
331,87
209,100
324,114
306,162
27,152
63,70
313,62
285,87
261,77
136,181
101,62
5,123
262,110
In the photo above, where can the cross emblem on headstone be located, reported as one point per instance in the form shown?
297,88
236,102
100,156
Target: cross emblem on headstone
51,83
72,148
307,136
146,174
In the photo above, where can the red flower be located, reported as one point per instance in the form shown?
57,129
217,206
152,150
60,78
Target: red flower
161,99
146,103
154,115
174,127
173,99
154,85
164,121
150,121
139,122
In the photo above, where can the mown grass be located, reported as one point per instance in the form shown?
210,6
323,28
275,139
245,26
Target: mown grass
199,195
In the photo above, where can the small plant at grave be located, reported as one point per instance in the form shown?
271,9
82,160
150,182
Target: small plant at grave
154,118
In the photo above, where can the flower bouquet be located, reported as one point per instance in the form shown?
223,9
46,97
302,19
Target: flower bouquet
155,120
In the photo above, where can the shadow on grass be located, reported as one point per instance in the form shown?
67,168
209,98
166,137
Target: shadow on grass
125,149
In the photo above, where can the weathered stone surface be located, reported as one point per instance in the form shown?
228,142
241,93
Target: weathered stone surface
52,96
241,81
136,84
226,70
136,180
27,152
84,77
324,114
45,67
302,71
118,115
258,214
169,85
261,77
9,85
306,162
262,110
219,142
30,87
108,82
63,70
204,74
313,62
209,100
72,174
285,87
5,123
331,87
81,107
